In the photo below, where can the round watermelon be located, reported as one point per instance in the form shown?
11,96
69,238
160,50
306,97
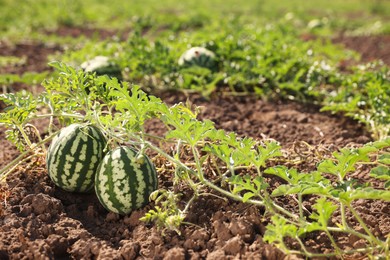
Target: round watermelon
198,56
124,180
74,155
102,65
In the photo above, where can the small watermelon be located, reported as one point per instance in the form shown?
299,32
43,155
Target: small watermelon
102,65
198,56
124,180
73,157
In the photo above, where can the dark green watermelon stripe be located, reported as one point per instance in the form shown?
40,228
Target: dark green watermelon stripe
203,59
116,203
138,165
103,169
145,171
152,173
82,173
86,168
128,156
57,155
150,180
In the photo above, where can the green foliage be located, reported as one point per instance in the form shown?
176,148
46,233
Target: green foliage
250,187
278,231
30,78
345,161
242,169
11,60
324,211
270,61
364,95
167,215
255,53
244,55
26,17
19,108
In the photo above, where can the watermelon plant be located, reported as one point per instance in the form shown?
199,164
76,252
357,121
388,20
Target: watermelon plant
74,155
124,180
208,161
267,59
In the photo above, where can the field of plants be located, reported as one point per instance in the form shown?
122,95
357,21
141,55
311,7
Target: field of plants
195,129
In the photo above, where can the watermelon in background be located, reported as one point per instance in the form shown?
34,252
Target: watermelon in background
102,65
198,56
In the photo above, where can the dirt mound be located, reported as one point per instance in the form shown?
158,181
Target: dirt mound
371,48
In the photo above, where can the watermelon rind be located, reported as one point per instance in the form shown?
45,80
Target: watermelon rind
102,65
198,56
73,157
124,180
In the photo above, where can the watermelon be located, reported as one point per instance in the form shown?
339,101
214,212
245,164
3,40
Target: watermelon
102,65
198,56
124,180
73,157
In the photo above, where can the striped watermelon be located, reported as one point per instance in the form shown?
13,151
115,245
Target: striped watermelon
125,180
198,56
74,155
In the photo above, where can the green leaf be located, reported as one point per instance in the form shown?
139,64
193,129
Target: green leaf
384,158
368,193
290,175
304,188
284,189
309,227
265,152
20,107
382,143
252,187
247,196
364,150
324,211
345,161
278,229
380,172
327,166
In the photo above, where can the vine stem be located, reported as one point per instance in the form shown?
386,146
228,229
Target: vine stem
347,252
4,175
21,158
333,242
364,226
217,188
60,115
343,215
21,130
348,230
203,181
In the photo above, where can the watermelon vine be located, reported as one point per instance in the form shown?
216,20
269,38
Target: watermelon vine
222,164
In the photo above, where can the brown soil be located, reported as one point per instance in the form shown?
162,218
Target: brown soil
75,32
40,221
370,47
35,56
